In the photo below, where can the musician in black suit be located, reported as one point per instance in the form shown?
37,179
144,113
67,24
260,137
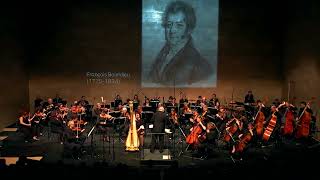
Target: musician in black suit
159,120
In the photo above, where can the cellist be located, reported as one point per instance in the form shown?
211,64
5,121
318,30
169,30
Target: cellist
287,111
198,129
303,122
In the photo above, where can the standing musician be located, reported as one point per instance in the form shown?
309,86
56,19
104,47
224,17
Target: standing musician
158,120
140,129
35,124
25,126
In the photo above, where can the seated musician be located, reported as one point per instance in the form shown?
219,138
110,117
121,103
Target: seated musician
56,123
140,129
136,99
183,99
25,126
47,106
199,100
83,102
208,141
97,110
147,103
105,124
214,101
117,102
245,137
73,137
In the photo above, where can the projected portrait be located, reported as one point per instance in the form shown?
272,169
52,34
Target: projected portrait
179,56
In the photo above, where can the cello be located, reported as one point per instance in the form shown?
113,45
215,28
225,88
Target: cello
259,120
244,139
197,131
303,123
288,121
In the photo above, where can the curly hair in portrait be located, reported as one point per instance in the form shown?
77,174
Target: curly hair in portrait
185,8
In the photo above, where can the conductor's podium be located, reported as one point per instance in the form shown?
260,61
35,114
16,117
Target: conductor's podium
157,158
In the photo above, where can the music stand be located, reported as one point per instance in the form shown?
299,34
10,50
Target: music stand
115,114
213,111
154,104
118,121
146,116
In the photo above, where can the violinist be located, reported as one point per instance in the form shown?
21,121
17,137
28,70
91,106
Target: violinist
73,139
97,110
208,141
105,124
25,125
35,124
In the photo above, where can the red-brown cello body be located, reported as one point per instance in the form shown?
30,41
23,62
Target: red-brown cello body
288,124
259,123
303,127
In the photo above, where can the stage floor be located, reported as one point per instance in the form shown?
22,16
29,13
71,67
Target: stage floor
113,154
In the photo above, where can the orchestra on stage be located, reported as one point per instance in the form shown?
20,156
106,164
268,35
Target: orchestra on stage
202,124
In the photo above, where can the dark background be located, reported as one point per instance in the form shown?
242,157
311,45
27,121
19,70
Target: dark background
48,48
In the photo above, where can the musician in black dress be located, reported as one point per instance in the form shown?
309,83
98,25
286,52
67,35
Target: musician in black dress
25,126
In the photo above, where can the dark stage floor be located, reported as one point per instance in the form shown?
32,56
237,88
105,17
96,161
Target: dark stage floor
111,157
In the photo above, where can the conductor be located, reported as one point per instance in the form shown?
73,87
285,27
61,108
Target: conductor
158,119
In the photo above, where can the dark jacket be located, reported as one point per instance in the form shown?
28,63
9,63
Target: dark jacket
159,120
186,67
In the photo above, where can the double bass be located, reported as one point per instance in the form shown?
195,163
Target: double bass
272,124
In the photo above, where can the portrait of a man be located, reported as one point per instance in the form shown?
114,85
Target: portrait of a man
179,63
